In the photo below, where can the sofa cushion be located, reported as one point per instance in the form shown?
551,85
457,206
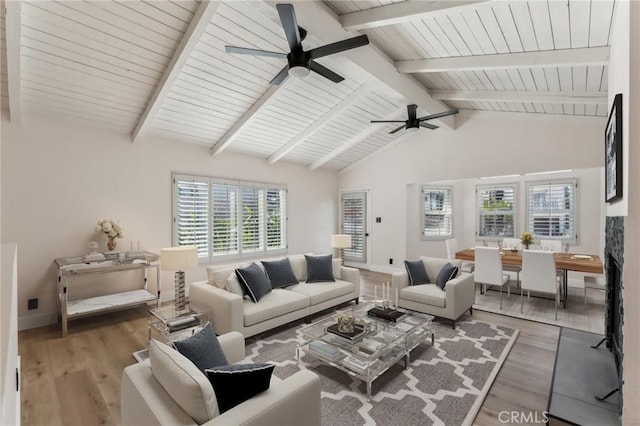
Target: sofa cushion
337,269
319,292
234,384
279,273
182,380
428,294
232,284
202,348
299,266
254,282
448,272
319,268
278,302
217,275
417,272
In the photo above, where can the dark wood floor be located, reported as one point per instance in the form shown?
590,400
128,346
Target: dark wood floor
76,380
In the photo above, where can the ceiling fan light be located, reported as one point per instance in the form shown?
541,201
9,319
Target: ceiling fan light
299,71
413,129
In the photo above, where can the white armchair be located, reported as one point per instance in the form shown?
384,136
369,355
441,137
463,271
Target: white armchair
451,303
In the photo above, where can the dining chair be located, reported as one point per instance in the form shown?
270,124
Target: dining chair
452,249
488,269
511,244
539,274
551,245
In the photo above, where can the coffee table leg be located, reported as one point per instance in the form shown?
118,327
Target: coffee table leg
433,335
368,390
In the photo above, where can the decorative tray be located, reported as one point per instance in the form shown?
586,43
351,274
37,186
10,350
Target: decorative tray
358,332
385,313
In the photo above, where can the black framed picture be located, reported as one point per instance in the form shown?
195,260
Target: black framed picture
613,152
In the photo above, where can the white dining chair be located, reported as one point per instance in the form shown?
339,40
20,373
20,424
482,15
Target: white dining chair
488,269
539,274
554,246
452,249
512,244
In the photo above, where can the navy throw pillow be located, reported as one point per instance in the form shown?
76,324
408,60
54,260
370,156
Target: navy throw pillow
319,268
254,282
234,384
448,272
417,272
280,273
202,348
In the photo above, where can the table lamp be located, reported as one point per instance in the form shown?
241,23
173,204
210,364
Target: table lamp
179,259
341,242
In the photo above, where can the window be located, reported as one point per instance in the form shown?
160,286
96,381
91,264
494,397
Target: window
227,219
551,210
437,212
496,211
354,223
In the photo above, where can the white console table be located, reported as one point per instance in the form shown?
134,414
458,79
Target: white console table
75,267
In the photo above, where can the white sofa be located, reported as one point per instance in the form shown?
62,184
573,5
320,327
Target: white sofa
457,297
230,311
290,402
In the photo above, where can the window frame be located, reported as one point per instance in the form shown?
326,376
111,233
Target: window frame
240,253
423,212
575,210
497,186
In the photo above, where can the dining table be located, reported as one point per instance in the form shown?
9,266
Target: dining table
565,262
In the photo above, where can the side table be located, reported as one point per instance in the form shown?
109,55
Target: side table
169,324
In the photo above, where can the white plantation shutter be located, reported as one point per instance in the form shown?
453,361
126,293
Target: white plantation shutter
551,210
496,211
276,219
437,212
252,214
354,224
191,213
224,218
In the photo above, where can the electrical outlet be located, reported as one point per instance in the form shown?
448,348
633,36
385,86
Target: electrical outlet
378,220
32,304
390,261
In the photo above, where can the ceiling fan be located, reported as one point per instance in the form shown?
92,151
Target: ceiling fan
412,124
301,62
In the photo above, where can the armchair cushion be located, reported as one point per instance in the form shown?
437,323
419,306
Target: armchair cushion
279,273
448,272
254,281
234,384
319,268
427,294
417,272
202,348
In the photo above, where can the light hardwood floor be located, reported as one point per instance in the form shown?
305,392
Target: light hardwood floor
76,380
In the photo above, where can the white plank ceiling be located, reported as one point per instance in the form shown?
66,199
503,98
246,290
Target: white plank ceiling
103,60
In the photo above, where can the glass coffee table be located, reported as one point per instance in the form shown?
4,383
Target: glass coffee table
374,346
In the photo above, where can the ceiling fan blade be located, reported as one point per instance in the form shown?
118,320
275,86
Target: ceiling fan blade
290,26
279,78
325,72
256,52
428,126
438,115
387,121
339,46
411,111
398,129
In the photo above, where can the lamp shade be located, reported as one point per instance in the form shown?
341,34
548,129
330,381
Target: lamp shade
178,258
340,241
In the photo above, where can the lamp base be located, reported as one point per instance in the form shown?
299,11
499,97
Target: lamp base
179,299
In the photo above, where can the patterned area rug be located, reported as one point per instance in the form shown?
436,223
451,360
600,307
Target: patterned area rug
444,384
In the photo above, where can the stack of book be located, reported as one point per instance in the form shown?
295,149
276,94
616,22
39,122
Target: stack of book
325,351
355,364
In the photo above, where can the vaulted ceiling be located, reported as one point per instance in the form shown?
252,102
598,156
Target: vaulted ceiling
160,67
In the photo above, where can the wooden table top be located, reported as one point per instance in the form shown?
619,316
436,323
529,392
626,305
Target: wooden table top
568,261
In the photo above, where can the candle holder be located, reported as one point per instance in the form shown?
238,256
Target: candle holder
383,306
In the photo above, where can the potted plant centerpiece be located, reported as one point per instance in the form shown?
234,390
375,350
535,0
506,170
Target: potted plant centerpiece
526,239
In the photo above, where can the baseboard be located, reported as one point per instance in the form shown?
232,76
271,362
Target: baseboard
37,320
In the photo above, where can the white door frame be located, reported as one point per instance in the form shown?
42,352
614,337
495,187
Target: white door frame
368,237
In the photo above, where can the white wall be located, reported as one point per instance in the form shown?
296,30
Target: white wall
484,146
59,177
590,221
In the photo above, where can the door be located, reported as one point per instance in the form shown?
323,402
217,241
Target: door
354,222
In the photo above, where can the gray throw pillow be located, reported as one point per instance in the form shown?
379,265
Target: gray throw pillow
203,349
234,384
448,272
417,272
319,268
280,273
254,282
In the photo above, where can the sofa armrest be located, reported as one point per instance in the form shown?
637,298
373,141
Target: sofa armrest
400,280
233,346
291,402
225,308
353,276
460,293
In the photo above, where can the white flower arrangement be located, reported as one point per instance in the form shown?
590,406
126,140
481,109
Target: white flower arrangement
111,228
